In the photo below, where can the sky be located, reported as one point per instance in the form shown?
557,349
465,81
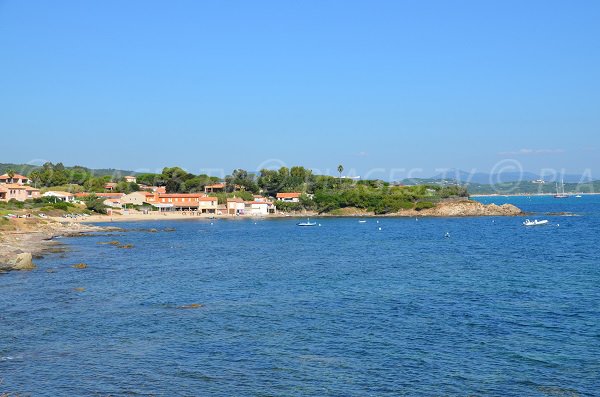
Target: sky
388,89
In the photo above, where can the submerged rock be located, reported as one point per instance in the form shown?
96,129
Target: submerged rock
79,266
126,246
191,306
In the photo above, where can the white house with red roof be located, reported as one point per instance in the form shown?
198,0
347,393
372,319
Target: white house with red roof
289,197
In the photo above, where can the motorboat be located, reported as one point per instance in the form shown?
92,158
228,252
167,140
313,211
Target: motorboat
535,222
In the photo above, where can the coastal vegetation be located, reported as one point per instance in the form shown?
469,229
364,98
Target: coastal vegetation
47,205
319,193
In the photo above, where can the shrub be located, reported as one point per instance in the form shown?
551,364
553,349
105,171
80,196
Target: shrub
421,205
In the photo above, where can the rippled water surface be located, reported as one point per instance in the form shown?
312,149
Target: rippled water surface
344,309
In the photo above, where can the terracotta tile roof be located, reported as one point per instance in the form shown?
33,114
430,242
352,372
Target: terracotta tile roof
208,199
289,195
235,199
179,195
14,186
215,186
16,176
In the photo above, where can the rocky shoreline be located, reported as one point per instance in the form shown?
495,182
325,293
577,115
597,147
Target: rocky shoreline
462,208
28,240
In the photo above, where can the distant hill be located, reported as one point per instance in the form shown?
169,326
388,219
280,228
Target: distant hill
505,177
25,169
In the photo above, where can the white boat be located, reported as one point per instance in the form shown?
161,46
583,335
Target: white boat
362,221
578,196
535,222
307,223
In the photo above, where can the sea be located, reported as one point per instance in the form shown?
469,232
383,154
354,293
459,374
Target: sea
480,306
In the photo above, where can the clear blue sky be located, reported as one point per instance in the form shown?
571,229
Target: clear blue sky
369,84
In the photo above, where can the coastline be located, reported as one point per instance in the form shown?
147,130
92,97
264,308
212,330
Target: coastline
463,208
32,239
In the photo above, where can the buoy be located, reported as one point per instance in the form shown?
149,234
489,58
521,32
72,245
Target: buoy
447,235
377,221
319,224
379,228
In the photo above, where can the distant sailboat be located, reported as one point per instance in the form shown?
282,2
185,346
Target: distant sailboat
307,223
561,193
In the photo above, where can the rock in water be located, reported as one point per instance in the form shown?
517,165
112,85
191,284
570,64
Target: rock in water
23,262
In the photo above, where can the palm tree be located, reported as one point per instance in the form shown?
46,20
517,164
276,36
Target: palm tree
11,174
340,170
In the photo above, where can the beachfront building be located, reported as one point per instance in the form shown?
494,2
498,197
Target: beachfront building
289,197
60,196
235,206
259,208
208,205
177,201
14,179
113,203
136,198
13,191
214,188
130,179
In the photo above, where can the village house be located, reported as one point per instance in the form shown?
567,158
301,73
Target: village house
259,208
15,179
214,188
136,198
235,206
130,179
113,195
60,196
110,186
177,201
113,203
289,197
13,191
208,205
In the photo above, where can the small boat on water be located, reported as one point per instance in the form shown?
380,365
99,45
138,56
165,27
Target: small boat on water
535,222
362,221
578,196
307,223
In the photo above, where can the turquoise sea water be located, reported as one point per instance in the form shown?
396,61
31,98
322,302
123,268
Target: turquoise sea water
344,309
